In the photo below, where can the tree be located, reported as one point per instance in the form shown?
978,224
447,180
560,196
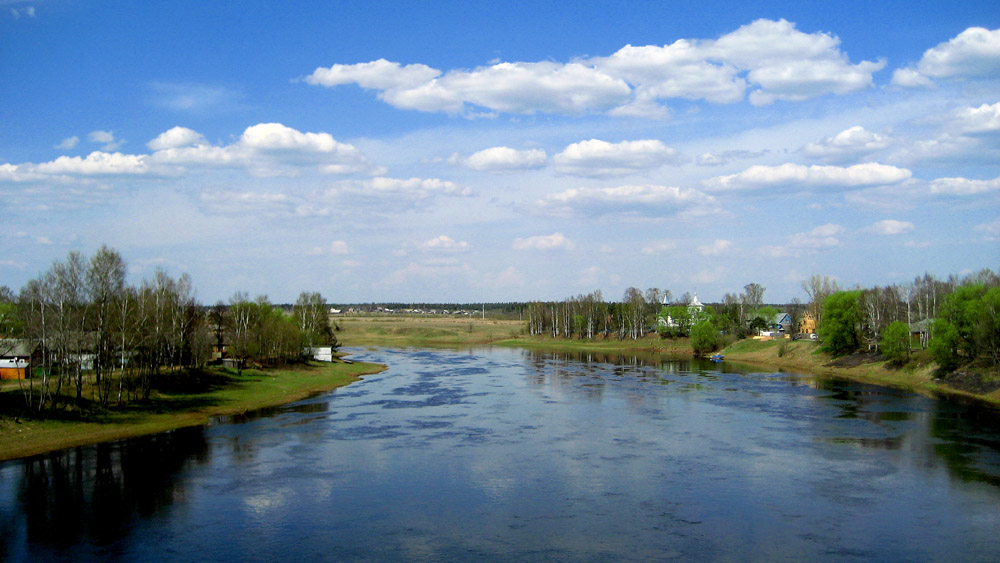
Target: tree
105,282
841,323
704,337
895,342
818,288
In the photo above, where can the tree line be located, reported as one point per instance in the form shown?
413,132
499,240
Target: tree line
957,319
107,341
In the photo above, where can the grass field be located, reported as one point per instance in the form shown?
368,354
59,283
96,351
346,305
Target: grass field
413,330
215,392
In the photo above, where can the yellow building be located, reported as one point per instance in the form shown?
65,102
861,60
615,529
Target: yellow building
807,325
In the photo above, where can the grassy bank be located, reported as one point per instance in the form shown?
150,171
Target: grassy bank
177,404
805,356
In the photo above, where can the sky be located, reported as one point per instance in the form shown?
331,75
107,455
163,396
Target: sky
489,151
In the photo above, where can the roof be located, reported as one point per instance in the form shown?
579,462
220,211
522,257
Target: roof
16,347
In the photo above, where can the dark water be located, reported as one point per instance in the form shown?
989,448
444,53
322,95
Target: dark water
509,455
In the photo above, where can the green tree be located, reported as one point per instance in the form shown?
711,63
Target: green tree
895,342
945,344
704,338
841,326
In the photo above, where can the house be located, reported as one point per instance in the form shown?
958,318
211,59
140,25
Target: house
921,332
807,325
319,353
16,358
782,322
695,309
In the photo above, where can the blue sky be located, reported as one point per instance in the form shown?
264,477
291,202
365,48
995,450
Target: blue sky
465,151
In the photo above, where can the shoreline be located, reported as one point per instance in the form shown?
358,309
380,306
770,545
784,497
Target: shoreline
263,389
255,390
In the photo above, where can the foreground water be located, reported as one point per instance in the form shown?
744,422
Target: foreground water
512,455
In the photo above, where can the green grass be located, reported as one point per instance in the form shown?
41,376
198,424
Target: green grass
217,392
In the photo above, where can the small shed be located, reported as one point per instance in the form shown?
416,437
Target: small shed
16,357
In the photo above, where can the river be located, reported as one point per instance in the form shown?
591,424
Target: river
507,454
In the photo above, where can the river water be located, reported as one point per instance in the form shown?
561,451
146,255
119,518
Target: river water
505,454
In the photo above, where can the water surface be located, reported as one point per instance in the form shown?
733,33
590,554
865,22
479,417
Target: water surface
513,455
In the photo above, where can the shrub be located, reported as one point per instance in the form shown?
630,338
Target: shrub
704,338
895,343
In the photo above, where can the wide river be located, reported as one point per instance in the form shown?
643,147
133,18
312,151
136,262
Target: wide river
506,454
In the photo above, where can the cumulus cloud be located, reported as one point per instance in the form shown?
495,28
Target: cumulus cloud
977,120
176,137
265,148
94,164
850,143
598,158
639,200
771,59
807,177
974,53
892,227
555,241
502,159
963,186
444,243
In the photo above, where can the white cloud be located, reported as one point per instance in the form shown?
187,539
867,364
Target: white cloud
819,238
977,120
790,65
774,58
644,200
713,158
377,75
590,276
964,186
892,227
716,248
444,243
266,149
503,159
418,187
107,138
598,158
176,137
68,143
974,53
339,247
991,229
848,144
659,247
194,98
805,177
383,194
555,241
26,11
96,163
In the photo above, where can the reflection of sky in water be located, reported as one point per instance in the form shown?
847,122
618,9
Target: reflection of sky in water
516,455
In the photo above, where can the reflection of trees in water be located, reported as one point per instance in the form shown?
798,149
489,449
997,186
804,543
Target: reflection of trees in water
968,441
96,491
962,438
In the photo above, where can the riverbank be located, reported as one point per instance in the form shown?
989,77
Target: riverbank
805,356
214,393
